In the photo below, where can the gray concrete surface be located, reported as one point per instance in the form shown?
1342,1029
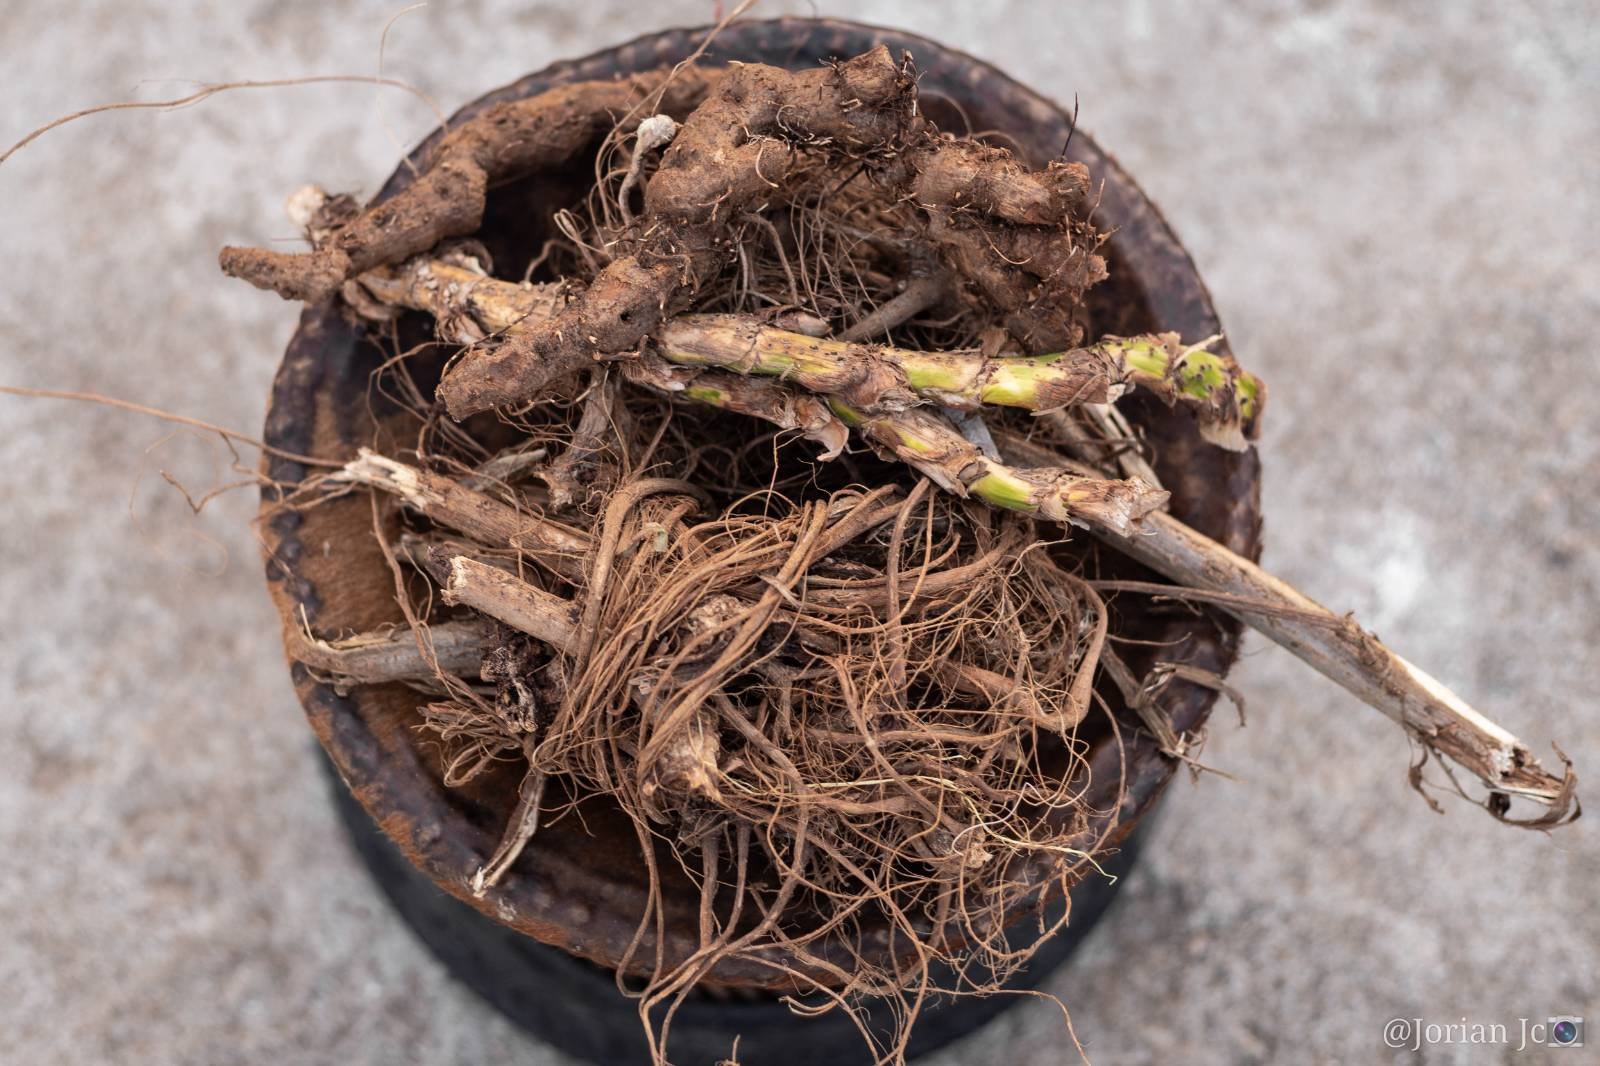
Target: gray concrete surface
1396,208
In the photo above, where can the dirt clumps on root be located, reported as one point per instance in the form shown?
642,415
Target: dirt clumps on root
735,151
838,689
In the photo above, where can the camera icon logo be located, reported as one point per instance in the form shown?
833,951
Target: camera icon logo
1564,1030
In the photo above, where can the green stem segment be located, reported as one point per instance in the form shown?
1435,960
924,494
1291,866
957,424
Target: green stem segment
927,443
763,398
1226,400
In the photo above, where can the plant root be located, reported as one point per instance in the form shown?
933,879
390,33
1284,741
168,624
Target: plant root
505,140
733,151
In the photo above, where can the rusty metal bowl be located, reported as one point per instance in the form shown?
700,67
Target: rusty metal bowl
580,889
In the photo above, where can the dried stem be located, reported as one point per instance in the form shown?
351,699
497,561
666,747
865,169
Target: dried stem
376,658
515,602
586,459
481,517
1112,439
504,468
928,443
921,292
524,823
1340,649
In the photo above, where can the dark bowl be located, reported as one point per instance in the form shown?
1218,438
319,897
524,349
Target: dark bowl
581,887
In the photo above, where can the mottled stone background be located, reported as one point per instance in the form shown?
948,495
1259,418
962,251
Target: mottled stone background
1395,206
